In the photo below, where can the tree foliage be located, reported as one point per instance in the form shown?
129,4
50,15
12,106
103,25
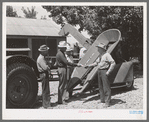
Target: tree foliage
10,12
96,19
30,13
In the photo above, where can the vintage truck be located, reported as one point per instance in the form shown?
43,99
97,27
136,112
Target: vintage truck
23,38
22,79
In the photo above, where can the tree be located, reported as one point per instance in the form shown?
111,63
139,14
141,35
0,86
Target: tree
30,13
96,19
10,12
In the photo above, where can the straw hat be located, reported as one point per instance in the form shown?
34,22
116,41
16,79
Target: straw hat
101,45
43,48
62,44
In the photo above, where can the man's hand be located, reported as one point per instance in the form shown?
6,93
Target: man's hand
107,73
79,65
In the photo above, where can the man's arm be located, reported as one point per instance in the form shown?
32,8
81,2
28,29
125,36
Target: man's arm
112,64
65,61
93,64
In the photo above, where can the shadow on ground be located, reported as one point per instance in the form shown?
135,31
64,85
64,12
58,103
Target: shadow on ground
94,95
38,103
82,96
116,101
121,90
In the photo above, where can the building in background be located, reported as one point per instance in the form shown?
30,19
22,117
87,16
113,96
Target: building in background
24,36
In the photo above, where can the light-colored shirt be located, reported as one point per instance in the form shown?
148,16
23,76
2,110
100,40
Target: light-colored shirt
69,58
82,52
41,63
105,62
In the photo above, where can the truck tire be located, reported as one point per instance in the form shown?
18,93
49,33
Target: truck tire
22,86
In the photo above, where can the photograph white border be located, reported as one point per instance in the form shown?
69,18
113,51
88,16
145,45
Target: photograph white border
73,114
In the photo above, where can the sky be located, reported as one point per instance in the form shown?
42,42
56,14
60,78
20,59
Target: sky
39,9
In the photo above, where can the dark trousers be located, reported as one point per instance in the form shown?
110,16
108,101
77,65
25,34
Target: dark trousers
104,86
62,88
69,72
45,90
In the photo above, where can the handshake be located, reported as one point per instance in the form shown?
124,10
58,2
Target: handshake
79,65
85,66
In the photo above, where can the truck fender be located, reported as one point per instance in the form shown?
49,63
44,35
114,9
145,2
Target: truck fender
23,59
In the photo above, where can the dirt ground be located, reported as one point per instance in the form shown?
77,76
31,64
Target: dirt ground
120,99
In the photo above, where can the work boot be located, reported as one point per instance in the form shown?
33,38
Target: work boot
49,107
106,105
101,101
62,103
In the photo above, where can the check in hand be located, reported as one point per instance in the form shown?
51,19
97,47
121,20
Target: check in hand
79,65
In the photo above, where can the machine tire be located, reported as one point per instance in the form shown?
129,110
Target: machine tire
129,86
21,86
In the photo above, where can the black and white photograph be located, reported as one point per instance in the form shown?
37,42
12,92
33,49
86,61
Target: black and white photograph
71,60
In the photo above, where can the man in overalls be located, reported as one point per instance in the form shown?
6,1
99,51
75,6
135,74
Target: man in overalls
43,69
105,64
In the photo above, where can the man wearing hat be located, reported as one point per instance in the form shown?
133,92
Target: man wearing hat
105,64
43,69
62,64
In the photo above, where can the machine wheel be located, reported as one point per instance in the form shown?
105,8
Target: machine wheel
129,85
22,86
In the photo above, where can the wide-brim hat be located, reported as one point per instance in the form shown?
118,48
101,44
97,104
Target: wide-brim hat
62,44
43,48
101,45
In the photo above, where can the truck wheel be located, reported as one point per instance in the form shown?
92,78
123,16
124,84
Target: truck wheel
22,86
129,85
